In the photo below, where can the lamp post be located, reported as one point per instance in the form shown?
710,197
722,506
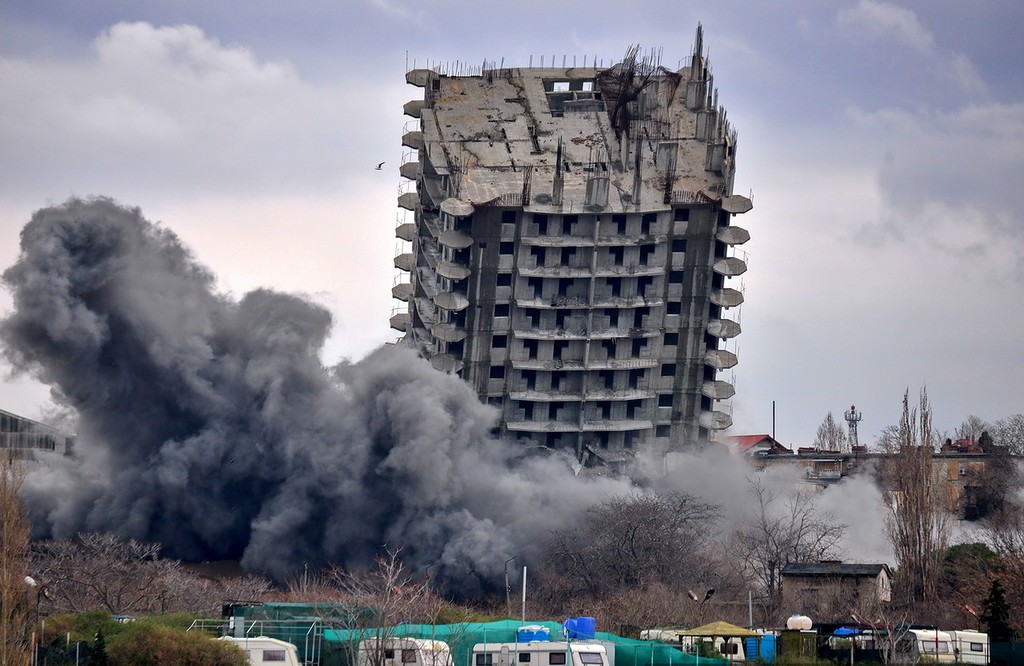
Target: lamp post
508,590
41,591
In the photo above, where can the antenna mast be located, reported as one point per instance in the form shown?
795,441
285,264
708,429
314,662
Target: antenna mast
853,417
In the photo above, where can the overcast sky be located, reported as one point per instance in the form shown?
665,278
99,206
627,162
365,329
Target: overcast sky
883,144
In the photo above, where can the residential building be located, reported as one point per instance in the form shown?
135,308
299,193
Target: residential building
570,248
24,438
831,590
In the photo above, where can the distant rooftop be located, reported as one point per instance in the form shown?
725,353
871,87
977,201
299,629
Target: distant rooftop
833,569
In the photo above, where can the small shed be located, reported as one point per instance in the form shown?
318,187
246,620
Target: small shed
726,632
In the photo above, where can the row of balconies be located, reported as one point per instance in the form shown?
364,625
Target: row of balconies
577,394
591,364
518,423
576,240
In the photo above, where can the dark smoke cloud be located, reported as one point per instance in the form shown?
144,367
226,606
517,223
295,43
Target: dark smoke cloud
209,425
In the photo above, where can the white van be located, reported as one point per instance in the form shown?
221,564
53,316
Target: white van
264,650
971,647
540,653
396,651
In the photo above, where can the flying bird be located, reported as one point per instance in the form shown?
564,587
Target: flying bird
693,595
379,166
709,594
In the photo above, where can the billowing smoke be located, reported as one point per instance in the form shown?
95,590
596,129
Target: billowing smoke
209,425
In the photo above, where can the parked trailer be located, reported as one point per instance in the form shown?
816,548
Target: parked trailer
400,651
971,647
540,653
930,645
732,648
265,650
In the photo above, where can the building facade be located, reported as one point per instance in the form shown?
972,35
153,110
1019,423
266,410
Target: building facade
24,439
568,248
829,591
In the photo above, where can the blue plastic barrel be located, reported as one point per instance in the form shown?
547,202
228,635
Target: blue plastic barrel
531,632
577,628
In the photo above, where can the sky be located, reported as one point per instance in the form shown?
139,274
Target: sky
882,144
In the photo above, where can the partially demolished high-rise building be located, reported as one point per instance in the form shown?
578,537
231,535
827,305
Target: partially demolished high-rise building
570,248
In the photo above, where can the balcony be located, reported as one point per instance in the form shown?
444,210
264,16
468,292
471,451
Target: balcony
400,321
419,77
715,420
405,262
456,207
555,271
617,425
726,298
406,231
718,390
723,328
522,424
730,266
446,363
413,139
733,235
402,291
453,270
720,359
410,170
549,395
408,201
451,301
455,240
413,108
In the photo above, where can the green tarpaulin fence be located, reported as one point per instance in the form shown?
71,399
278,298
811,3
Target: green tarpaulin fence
461,638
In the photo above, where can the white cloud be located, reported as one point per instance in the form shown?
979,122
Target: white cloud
886,20
889,23
944,183
169,108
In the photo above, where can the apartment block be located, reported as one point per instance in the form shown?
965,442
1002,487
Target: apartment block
567,248
25,439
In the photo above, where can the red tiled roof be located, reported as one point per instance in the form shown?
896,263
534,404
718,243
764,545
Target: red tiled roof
743,443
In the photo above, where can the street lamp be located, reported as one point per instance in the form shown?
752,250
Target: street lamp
508,590
41,591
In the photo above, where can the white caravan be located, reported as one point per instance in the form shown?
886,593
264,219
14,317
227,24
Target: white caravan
395,651
540,653
264,650
932,645
971,647
730,648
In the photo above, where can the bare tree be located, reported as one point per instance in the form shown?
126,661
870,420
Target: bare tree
101,571
15,616
888,439
1009,432
916,524
784,529
391,595
831,436
632,540
971,429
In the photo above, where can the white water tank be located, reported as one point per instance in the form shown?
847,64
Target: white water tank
799,622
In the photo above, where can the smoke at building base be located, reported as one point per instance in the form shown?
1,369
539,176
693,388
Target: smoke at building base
209,425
